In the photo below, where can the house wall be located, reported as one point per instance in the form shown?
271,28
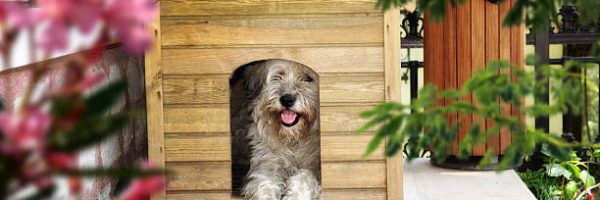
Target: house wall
203,42
125,149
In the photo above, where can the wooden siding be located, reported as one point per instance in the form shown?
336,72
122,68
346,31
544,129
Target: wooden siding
203,42
465,41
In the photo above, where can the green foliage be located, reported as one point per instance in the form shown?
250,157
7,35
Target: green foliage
542,185
423,123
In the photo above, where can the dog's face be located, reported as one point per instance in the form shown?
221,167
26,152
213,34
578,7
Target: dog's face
290,98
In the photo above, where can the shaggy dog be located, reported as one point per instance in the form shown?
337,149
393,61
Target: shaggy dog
283,132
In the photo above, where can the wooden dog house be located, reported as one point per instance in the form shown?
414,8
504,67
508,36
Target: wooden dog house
353,47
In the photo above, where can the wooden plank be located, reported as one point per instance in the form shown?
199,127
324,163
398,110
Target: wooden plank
354,175
347,148
207,176
450,68
354,194
463,17
273,31
478,42
208,119
265,7
517,37
492,52
198,147
394,170
328,194
226,60
334,88
505,54
215,118
154,101
200,176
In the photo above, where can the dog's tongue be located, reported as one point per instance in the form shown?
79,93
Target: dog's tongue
288,116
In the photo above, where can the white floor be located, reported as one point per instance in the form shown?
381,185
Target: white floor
422,181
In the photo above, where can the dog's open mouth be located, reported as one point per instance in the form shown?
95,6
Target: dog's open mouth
289,118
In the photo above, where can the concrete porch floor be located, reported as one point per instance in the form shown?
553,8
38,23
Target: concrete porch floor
423,181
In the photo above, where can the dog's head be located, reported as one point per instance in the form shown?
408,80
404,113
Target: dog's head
288,99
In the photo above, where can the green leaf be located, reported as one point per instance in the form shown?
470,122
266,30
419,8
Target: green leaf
87,132
486,160
556,152
571,190
99,102
587,179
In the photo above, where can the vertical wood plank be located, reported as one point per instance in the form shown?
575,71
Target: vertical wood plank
464,58
154,101
451,78
505,54
491,53
478,53
517,55
394,169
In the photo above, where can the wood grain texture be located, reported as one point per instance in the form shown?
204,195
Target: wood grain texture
328,194
334,88
265,7
193,147
450,65
215,118
492,52
154,101
273,31
200,176
394,167
226,60
478,42
463,56
505,54
517,56
353,175
210,176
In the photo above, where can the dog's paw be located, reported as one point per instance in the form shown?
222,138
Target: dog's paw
302,186
263,190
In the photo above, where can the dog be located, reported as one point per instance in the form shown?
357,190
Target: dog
282,131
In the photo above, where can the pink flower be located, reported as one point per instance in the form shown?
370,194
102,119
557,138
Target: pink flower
90,80
24,132
60,160
142,189
61,14
17,16
129,19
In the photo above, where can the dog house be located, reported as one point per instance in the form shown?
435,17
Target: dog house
354,49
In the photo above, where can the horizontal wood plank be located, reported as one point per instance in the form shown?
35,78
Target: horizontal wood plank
217,175
226,60
272,31
200,176
214,89
195,147
215,118
353,175
328,194
264,7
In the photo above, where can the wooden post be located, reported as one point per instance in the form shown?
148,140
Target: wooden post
394,169
470,36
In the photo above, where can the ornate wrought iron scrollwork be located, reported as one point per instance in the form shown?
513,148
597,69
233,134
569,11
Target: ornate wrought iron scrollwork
412,29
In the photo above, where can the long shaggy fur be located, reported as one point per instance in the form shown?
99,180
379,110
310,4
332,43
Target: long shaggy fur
284,161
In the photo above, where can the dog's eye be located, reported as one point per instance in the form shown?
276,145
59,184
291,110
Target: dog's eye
307,79
281,73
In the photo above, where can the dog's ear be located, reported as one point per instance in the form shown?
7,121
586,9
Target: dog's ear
255,77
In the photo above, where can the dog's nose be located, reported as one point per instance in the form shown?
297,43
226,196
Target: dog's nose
287,100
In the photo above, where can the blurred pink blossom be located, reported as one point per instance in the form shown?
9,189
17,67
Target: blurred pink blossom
129,20
24,132
143,188
17,16
60,160
90,80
